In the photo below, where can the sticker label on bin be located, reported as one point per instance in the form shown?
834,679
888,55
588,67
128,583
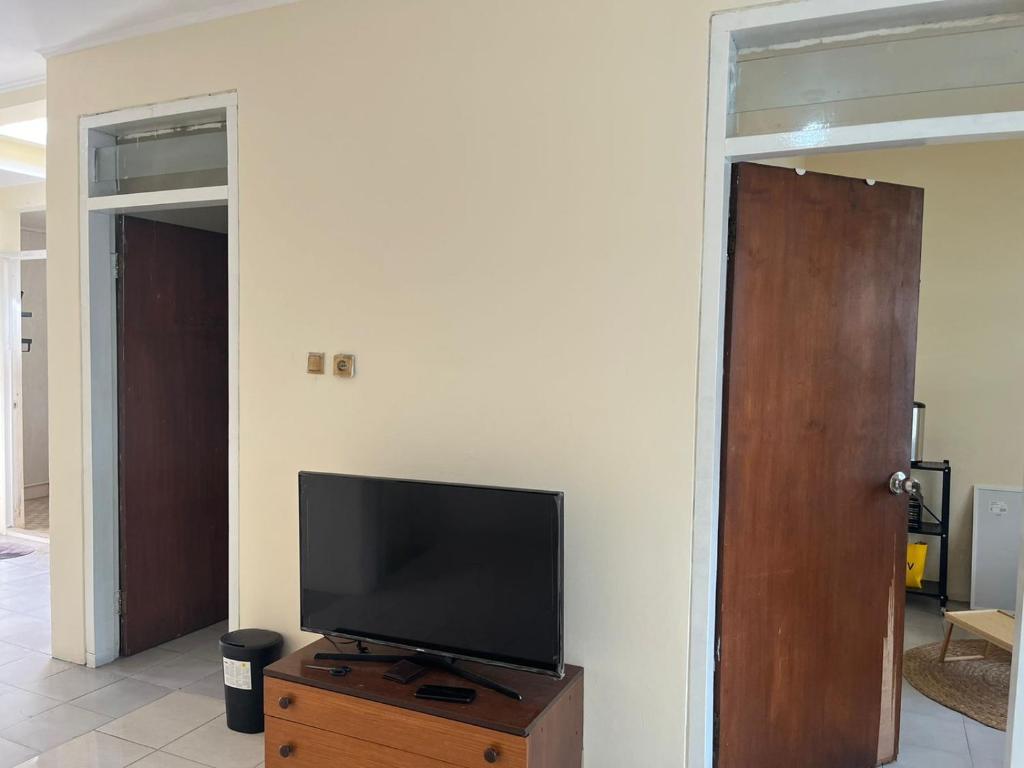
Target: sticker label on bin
238,674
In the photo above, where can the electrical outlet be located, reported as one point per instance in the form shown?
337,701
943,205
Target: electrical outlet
345,366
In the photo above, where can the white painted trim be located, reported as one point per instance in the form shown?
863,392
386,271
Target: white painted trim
211,13
995,126
85,321
721,151
17,85
10,340
101,553
147,201
823,11
703,580
234,268
162,109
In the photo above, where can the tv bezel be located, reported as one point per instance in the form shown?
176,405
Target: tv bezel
557,671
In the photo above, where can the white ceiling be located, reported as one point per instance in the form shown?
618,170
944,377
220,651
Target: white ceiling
31,29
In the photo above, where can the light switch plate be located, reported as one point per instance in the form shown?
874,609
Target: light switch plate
315,362
345,366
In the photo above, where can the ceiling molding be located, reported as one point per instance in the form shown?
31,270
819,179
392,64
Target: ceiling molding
17,85
235,8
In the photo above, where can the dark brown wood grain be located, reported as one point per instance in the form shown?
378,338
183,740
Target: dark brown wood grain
491,710
819,383
172,430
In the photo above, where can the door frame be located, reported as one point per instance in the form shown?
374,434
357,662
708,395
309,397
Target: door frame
13,392
99,372
12,490
721,151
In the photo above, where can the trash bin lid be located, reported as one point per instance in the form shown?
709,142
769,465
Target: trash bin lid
254,639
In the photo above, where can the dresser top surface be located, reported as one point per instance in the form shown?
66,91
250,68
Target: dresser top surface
490,710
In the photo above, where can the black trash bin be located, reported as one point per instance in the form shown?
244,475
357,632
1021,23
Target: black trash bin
246,652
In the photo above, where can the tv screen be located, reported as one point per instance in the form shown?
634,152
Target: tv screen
455,570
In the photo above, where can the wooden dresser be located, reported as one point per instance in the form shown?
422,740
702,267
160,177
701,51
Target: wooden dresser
314,720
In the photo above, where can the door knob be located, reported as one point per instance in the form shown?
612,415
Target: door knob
491,755
285,750
899,483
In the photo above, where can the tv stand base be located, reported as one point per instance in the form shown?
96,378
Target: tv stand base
424,660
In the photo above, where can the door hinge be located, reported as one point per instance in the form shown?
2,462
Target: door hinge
115,265
718,650
119,602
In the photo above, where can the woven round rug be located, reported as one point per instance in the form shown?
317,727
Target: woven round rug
979,689
9,549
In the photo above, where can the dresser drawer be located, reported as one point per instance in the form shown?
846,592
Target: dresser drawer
399,729
291,745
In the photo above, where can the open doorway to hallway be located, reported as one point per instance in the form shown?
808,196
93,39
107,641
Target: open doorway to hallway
34,517
963,518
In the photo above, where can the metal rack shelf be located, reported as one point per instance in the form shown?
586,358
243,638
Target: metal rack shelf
940,529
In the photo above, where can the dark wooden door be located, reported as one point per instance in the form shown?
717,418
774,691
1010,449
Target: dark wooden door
821,336
172,347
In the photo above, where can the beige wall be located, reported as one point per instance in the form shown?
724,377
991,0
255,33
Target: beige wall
497,207
13,200
970,352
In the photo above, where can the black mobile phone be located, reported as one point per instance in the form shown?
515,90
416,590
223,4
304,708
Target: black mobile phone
446,693
404,672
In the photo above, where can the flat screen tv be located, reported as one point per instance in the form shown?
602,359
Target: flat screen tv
458,571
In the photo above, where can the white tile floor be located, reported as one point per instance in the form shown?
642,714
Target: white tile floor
163,708
932,736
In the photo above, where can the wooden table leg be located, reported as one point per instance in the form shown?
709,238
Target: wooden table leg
945,644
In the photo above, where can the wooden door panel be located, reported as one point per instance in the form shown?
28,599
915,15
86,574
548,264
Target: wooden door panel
821,338
173,430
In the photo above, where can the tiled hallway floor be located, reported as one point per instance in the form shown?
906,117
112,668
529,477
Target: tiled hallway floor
163,708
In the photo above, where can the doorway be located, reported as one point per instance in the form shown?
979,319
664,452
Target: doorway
32,516
875,127
965,523
819,381
174,166
172,414
968,465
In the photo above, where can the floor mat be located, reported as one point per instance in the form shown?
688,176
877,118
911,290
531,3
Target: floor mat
979,689
10,549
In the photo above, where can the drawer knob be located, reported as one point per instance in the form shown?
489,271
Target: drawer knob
491,755
285,750
284,702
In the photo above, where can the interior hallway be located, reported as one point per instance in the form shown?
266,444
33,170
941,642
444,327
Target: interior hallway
163,708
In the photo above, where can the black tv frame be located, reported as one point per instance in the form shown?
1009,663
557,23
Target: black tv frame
557,671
